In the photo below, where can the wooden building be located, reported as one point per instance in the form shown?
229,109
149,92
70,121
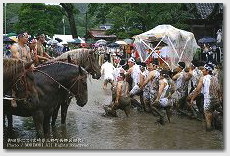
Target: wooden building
97,34
207,18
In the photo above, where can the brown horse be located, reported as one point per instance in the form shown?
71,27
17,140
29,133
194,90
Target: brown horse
84,58
12,69
18,76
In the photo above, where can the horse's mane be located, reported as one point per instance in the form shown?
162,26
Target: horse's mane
77,55
64,65
12,67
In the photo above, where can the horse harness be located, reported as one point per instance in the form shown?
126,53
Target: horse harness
60,85
22,80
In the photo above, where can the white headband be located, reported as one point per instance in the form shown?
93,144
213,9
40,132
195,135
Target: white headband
207,67
131,60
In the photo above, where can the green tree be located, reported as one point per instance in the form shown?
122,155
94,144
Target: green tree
10,16
70,12
39,18
130,19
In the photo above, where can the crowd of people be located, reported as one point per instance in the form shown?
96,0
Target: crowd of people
148,86
194,90
36,44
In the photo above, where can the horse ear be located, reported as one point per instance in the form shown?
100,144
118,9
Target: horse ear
69,59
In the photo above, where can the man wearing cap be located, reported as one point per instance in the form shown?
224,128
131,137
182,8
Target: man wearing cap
41,54
20,50
134,71
209,86
181,82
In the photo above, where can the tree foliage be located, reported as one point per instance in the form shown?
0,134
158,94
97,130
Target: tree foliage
11,16
70,12
129,19
39,18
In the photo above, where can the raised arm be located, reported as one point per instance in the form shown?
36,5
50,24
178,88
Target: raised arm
197,90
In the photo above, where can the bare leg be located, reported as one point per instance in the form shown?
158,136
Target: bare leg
208,119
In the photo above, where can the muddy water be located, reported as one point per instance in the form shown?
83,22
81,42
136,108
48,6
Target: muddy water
87,128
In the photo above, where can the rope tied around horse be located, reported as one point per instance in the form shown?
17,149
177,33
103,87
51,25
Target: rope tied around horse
23,81
60,85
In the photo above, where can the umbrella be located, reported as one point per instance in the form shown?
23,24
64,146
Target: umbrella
52,42
14,38
11,34
101,42
71,40
58,39
113,45
121,42
77,40
7,39
63,42
128,41
207,40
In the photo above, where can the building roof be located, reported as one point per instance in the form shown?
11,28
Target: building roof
98,33
205,10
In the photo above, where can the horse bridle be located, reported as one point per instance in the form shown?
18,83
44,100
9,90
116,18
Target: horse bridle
89,58
22,79
60,85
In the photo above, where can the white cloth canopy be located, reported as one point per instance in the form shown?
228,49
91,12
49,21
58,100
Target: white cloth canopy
67,38
121,42
181,44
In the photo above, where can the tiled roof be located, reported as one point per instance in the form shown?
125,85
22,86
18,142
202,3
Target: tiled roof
206,9
100,34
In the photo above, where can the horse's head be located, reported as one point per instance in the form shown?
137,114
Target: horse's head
79,88
83,57
92,65
12,70
25,88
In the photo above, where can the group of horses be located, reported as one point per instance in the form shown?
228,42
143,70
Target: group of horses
41,91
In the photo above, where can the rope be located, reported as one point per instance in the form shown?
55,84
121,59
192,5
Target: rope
68,90
7,97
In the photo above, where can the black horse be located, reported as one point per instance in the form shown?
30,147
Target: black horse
85,58
53,81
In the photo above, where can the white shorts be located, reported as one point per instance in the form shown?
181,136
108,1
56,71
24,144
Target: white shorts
135,90
164,102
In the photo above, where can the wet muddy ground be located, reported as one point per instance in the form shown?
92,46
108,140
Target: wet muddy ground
87,128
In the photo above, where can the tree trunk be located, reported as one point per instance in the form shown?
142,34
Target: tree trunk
69,9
